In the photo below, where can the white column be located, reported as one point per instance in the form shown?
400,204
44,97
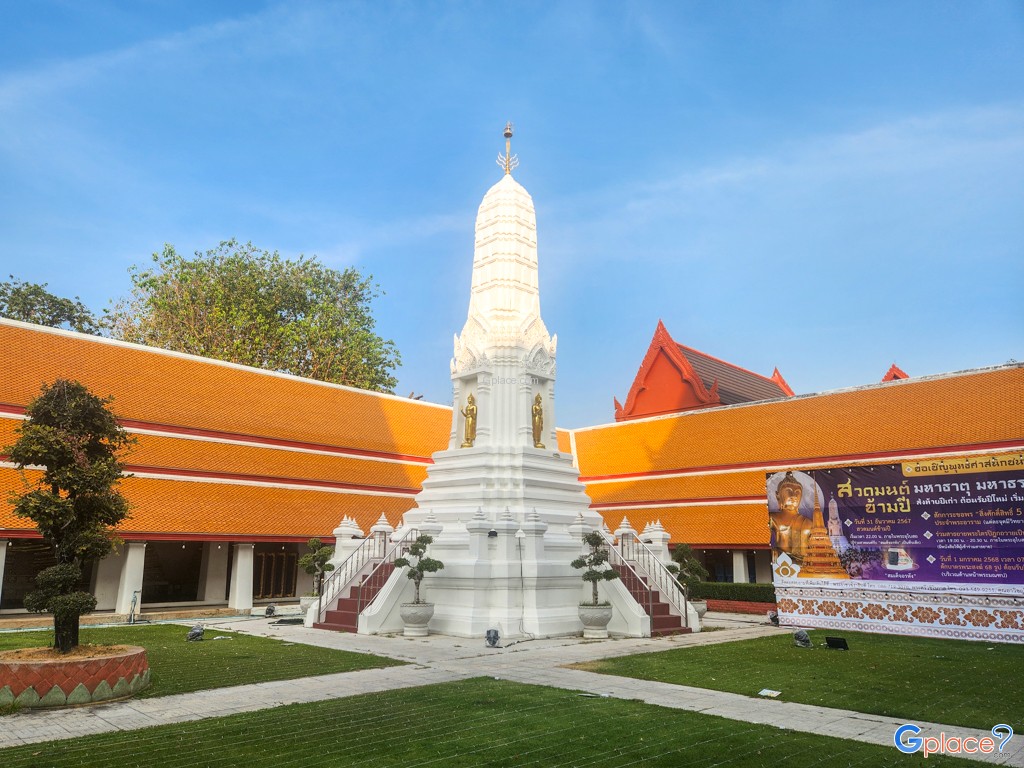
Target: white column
763,566
740,575
213,573
3,562
108,581
133,564
240,596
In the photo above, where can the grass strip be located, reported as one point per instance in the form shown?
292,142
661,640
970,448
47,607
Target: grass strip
178,666
479,723
954,682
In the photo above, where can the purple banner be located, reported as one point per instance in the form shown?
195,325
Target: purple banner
957,521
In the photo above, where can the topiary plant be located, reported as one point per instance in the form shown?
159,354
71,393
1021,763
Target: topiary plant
691,570
316,563
422,565
596,562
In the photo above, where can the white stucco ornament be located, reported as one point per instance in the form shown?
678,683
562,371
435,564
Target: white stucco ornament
504,302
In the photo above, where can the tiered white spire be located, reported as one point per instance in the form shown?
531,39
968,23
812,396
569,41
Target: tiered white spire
504,303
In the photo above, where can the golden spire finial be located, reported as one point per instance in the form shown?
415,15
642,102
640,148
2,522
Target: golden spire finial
508,161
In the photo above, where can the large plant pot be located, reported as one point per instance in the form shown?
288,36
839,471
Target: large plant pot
595,620
305,603
701,607
416,617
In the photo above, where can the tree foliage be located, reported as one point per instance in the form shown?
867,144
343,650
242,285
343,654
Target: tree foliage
595,562
75,502
691,570
245,305
317,562
419,565
32,303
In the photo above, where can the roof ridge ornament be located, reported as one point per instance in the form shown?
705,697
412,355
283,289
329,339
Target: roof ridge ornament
508,161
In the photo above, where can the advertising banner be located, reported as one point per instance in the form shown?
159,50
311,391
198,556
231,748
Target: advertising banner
920,525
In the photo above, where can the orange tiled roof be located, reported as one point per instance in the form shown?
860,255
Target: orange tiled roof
155,454
563,441
703,486
737,525
165,507
153,386
971,409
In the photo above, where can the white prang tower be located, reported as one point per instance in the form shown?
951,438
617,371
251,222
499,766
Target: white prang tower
501,499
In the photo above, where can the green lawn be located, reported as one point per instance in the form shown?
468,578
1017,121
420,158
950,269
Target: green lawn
178,666
955,682
480,723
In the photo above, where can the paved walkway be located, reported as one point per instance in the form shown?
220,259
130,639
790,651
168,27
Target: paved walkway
437,659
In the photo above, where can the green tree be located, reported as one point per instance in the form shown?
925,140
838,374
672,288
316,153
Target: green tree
419,565
32,303
595,562
690,569
76,501
317,562
245,305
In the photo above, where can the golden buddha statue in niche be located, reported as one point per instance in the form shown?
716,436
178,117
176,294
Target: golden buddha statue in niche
538,422
469,412
791,529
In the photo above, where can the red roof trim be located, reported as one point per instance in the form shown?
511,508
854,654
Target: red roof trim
24,533
691,502
242,538
895,373
810,460
663,343
783,384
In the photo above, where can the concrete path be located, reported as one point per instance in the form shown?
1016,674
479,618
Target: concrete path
437,659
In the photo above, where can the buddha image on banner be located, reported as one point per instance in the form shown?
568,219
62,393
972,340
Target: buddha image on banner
927,523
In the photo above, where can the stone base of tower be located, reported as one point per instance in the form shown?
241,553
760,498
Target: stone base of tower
506,522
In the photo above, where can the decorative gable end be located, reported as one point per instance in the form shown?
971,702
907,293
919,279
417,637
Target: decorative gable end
665,383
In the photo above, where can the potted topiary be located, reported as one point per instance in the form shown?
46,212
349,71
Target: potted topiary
595,615
418,613
316,563
691,572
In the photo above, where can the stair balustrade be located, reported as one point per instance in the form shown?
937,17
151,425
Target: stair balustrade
631,579
371,548
647,563
375,580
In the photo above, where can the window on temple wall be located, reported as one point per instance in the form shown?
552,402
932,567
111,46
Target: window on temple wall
275,570
25,559
171,572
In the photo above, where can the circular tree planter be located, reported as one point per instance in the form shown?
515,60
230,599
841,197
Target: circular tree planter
595,620
37,677
416,617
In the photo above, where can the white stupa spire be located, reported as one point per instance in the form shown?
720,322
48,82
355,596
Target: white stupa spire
504,302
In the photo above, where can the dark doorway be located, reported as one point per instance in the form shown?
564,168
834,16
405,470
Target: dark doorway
275,568
171,573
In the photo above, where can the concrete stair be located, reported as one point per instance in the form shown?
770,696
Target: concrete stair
663,621
344,616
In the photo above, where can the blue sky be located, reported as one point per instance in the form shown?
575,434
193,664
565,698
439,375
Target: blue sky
824,187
